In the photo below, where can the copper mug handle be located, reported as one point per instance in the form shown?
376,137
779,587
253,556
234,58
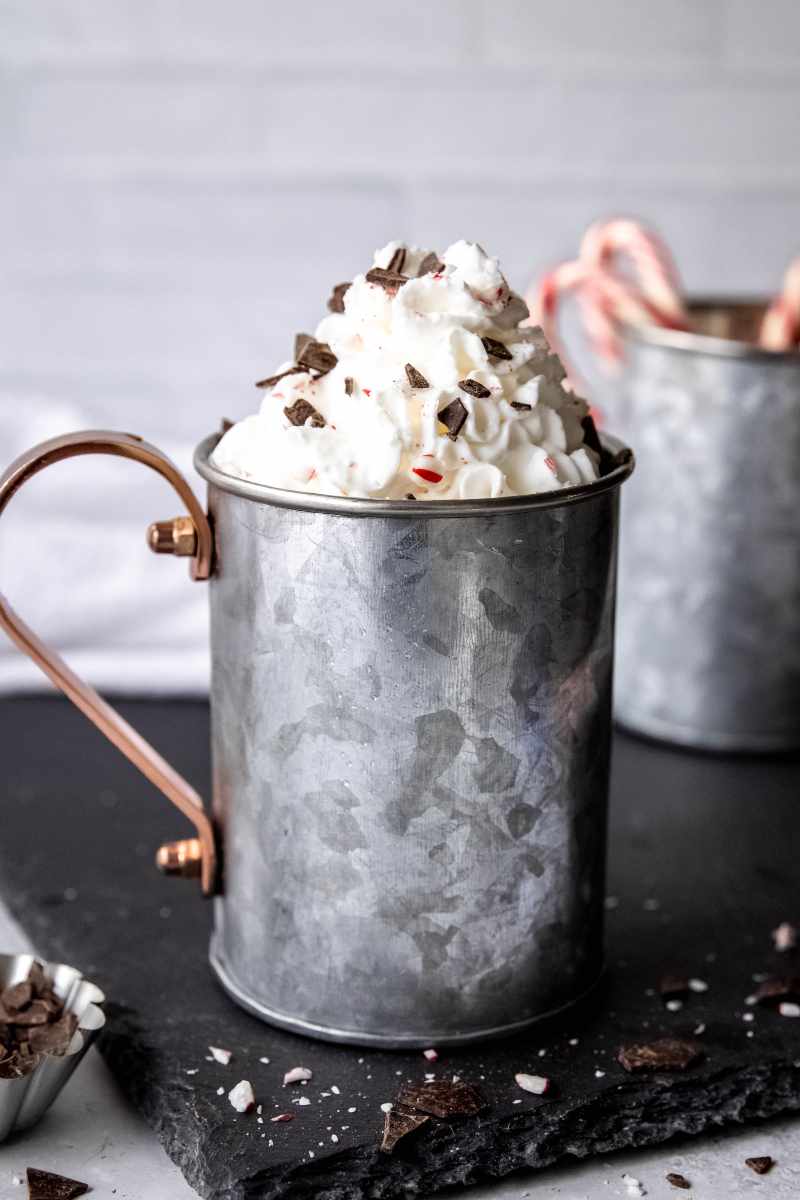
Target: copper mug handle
190,536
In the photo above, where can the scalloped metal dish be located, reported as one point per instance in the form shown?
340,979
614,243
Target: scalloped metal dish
24,1101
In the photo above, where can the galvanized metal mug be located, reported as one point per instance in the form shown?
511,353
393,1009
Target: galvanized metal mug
708,645
410,723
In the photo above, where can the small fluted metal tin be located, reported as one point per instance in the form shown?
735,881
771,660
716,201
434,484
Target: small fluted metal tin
410,734
25,1100
708,639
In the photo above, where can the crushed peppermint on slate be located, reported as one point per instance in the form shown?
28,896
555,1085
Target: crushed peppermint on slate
473,388
663,1054
399,1121
453,416
415,377
33,1022
45,1185
761,1164
496,349
677,1180
784,937
301,411
397,261
317,356
349,385
590,435
336,301
271,380
430,265
390,280
520,407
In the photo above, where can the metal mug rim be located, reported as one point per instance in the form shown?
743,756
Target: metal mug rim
366,507
707,345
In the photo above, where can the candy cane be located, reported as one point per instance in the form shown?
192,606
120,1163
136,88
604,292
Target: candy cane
655,270
780,329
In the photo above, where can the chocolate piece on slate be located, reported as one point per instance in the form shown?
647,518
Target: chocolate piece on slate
415,377
44,1185
772,992
349,385
761,1164
673,987
453,416
520,407
390,280
496,349
430,265
590,435
663,1054
443,1099
301,411
473,388
336,301
677,1180
399,1122
316,356
397,261
271,380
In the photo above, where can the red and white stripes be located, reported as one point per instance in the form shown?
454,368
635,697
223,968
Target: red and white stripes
780,329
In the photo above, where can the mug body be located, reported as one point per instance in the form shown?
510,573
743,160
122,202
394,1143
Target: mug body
708,647
411,725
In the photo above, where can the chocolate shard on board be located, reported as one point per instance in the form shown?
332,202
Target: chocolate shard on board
662,1054
677,1180
591,437
773,992
399,1122
761,1164
673,987
453,416
430,265
473,388
397,261
415,377
301,411
271,380
390,280
349,385
336,301
443,1099
520,407
44,1185
316,356
496,349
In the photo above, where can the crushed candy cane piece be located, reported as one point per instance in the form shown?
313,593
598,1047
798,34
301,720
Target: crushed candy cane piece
787,1008
698,985
302,1100
431,1055
335,1090
242,1097
634,1186
265,1061
282,1117
674,1005
221,1056
784,937
297,1075
387,1106
537,1084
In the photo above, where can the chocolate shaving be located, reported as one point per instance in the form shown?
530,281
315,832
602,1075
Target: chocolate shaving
400,1121
301,411
677,1180
473,388
301,340
673,987
415,377
773,992
273,379
453,416
316,356
397,261
443,1099
44,1185
349,385
430,265
496,349
761,1164
663,1054
226,424
390,280
592,440
336,301
520,407
409,496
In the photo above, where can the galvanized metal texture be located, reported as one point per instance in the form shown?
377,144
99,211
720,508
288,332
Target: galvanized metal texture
23,1101
410,724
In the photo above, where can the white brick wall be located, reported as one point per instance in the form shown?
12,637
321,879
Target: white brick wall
184,179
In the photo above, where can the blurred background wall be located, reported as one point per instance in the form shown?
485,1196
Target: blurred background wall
183,180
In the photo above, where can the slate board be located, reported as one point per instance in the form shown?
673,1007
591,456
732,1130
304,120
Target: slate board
702,866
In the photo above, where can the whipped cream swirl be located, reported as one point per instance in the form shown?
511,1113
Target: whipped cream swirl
423,383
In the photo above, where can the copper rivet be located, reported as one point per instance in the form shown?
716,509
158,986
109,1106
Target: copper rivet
177,536
180,858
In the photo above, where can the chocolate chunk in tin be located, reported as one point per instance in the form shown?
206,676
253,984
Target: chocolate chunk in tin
773,992
496,349
520,407
400,1120
271,380
349,385
677,1180
301,411
397,261
35,1014
55,1037
316,356
430,265
761,1164
443,1099
663,1054
17,996
590,435
673,987
473,388
415,377
44,1185
390,280
336,301
453,416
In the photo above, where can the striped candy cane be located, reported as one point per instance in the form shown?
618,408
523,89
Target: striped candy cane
656,274
780,329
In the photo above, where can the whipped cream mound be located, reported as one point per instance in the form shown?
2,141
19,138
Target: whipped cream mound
423,384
